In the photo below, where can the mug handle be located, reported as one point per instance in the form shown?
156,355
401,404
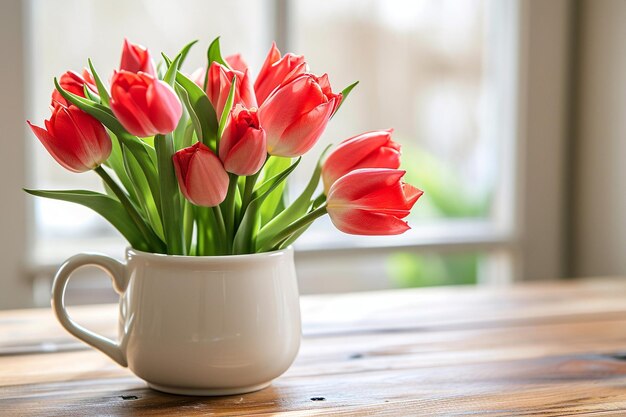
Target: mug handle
116,270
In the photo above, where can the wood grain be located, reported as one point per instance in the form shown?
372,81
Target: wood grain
547,349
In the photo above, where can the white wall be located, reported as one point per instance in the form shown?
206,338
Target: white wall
542,144
15,290
598,191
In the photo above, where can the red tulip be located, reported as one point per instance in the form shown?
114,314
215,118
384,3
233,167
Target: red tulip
143,104
236,62
371,201
201,176
242,146
74,83
277,71
88,77
75,140
295,115
136,58
218,87
368,150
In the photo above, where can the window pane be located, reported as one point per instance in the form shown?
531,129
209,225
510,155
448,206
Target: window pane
67,32
420,63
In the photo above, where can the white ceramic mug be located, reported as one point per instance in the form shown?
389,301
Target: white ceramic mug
207,325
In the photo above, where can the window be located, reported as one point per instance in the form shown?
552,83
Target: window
447,75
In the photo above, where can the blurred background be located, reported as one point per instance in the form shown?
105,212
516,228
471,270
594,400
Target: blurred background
509,113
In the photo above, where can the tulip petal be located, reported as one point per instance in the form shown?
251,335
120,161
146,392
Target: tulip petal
302,135
91,144
247,156
272,56
130,116
277,71
363,222
369,180
207,181
298,97
164,107
237,62
65,159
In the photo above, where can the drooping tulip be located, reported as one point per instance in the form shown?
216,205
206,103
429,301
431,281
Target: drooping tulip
73,83
242,146
144,105
201,175
371,201
373,149
136,58
295,115
218,86
75,139
276,71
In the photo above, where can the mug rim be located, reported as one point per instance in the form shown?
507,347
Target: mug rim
132,252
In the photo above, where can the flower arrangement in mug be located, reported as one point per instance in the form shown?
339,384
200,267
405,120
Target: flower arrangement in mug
225,144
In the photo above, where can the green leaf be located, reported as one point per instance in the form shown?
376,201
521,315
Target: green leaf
139,187
291,239
167,60
102,91
184,125
215,54
90,94
344,95
245,239
227,107
109,208
200,110
116,163
188,219
185,51
297,209
170,197
170,75
273,166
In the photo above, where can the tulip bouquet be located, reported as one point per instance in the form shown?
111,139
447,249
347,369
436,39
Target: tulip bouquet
197,164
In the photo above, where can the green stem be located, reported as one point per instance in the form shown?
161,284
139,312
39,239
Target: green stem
221,242
170,196
152,239
294,227
247,193
228,207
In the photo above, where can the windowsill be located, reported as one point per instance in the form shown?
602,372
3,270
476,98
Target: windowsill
449,235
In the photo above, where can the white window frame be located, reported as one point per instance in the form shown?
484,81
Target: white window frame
536,42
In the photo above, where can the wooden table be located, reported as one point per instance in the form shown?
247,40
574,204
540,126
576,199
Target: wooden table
545,349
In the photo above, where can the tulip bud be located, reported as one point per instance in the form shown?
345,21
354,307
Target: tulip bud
144,105
371,201
368,150
201,176
295,115
75,84
136,58
277,71
242,146
75,140
218,86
